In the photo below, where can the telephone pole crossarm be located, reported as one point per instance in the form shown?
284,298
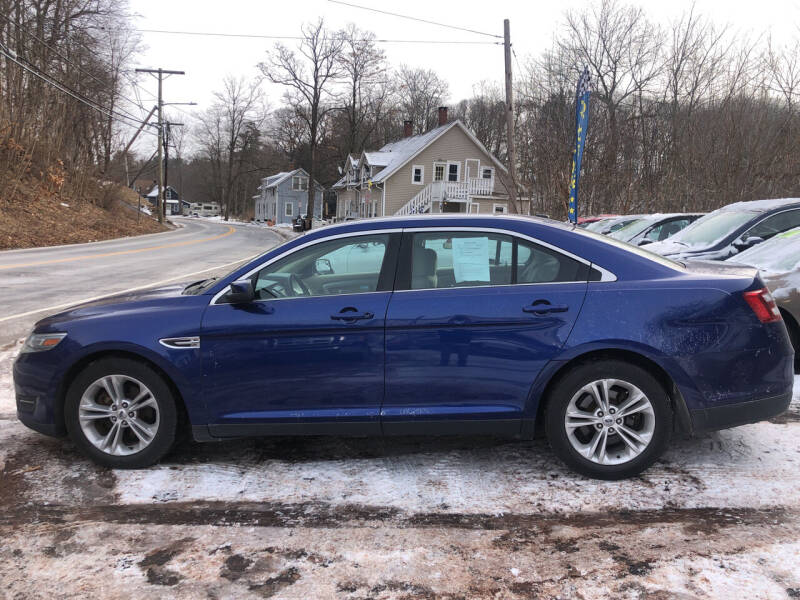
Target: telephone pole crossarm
159,73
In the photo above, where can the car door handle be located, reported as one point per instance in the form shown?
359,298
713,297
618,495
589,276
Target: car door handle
351,314
541,307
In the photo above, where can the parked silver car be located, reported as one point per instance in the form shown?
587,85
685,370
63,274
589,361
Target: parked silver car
778,259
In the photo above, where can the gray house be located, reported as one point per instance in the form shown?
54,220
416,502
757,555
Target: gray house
284,196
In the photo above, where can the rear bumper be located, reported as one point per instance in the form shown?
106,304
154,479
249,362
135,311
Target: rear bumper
741,413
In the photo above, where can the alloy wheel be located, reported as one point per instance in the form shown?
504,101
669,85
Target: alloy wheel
609,421
119,415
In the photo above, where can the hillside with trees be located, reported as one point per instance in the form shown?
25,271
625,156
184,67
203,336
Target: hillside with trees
64,69
686,115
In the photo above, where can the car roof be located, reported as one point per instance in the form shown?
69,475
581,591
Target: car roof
410,221
761,206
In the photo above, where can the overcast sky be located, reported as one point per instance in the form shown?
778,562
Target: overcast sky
207,60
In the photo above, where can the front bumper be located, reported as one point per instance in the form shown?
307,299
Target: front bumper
740,413
36,390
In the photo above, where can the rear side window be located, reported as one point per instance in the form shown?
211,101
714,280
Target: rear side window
538,264
445,259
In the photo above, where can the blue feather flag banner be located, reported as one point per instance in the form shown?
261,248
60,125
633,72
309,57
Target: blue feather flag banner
581,125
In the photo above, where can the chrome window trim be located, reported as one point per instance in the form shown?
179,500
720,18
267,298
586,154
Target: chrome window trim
606,275
224,290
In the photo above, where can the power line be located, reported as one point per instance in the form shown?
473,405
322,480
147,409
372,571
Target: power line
298,37
63,57
60,86
386,12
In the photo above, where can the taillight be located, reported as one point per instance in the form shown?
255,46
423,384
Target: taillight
763,304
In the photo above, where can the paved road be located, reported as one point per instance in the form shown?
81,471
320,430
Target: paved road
39,281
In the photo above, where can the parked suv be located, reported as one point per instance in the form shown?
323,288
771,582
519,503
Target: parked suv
731,229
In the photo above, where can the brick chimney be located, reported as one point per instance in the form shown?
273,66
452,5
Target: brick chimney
408,129
442,115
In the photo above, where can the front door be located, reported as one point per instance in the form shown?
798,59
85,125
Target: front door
307,356
481,315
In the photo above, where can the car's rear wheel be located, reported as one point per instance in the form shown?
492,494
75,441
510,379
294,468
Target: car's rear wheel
608,419
121,413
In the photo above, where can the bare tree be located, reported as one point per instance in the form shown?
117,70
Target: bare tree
364,66
420,92
309,74
228,130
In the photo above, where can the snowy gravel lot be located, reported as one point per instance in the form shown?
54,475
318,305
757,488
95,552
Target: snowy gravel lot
469,517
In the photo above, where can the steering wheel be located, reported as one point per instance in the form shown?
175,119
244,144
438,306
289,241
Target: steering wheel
294,279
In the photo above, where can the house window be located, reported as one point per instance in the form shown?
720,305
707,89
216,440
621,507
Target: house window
288,209
417,174
299,183
453,171
499,209
474,208
487,172
438,171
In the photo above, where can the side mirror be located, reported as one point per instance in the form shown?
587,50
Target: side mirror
323,266
743,243
241,292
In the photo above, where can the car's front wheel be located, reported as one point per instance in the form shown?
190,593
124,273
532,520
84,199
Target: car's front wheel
121,413
608,419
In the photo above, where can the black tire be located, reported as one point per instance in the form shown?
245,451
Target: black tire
794,335
164,437
571,383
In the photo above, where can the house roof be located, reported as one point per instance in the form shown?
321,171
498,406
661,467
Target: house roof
396,154
154,192
275,180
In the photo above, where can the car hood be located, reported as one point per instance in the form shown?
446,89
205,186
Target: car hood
118,303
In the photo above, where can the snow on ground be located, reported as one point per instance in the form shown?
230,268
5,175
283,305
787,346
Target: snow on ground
466,517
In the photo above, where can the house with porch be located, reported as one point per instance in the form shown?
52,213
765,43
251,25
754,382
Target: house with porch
284,196
445,169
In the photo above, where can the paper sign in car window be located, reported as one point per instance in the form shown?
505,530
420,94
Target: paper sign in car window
471,259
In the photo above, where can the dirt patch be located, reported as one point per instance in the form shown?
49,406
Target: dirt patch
318,515
163,555
36,216
273,585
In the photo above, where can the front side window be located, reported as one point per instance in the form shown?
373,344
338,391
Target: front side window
468,259
778,223
665,230
349,265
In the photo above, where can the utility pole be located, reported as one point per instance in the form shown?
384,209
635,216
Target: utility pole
167,126
159,73
510,145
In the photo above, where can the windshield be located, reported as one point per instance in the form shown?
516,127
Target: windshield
779,254
631,230
712,228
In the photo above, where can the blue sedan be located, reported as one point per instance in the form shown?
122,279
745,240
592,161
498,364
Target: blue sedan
421,325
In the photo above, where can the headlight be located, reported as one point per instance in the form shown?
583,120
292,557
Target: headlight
39,342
